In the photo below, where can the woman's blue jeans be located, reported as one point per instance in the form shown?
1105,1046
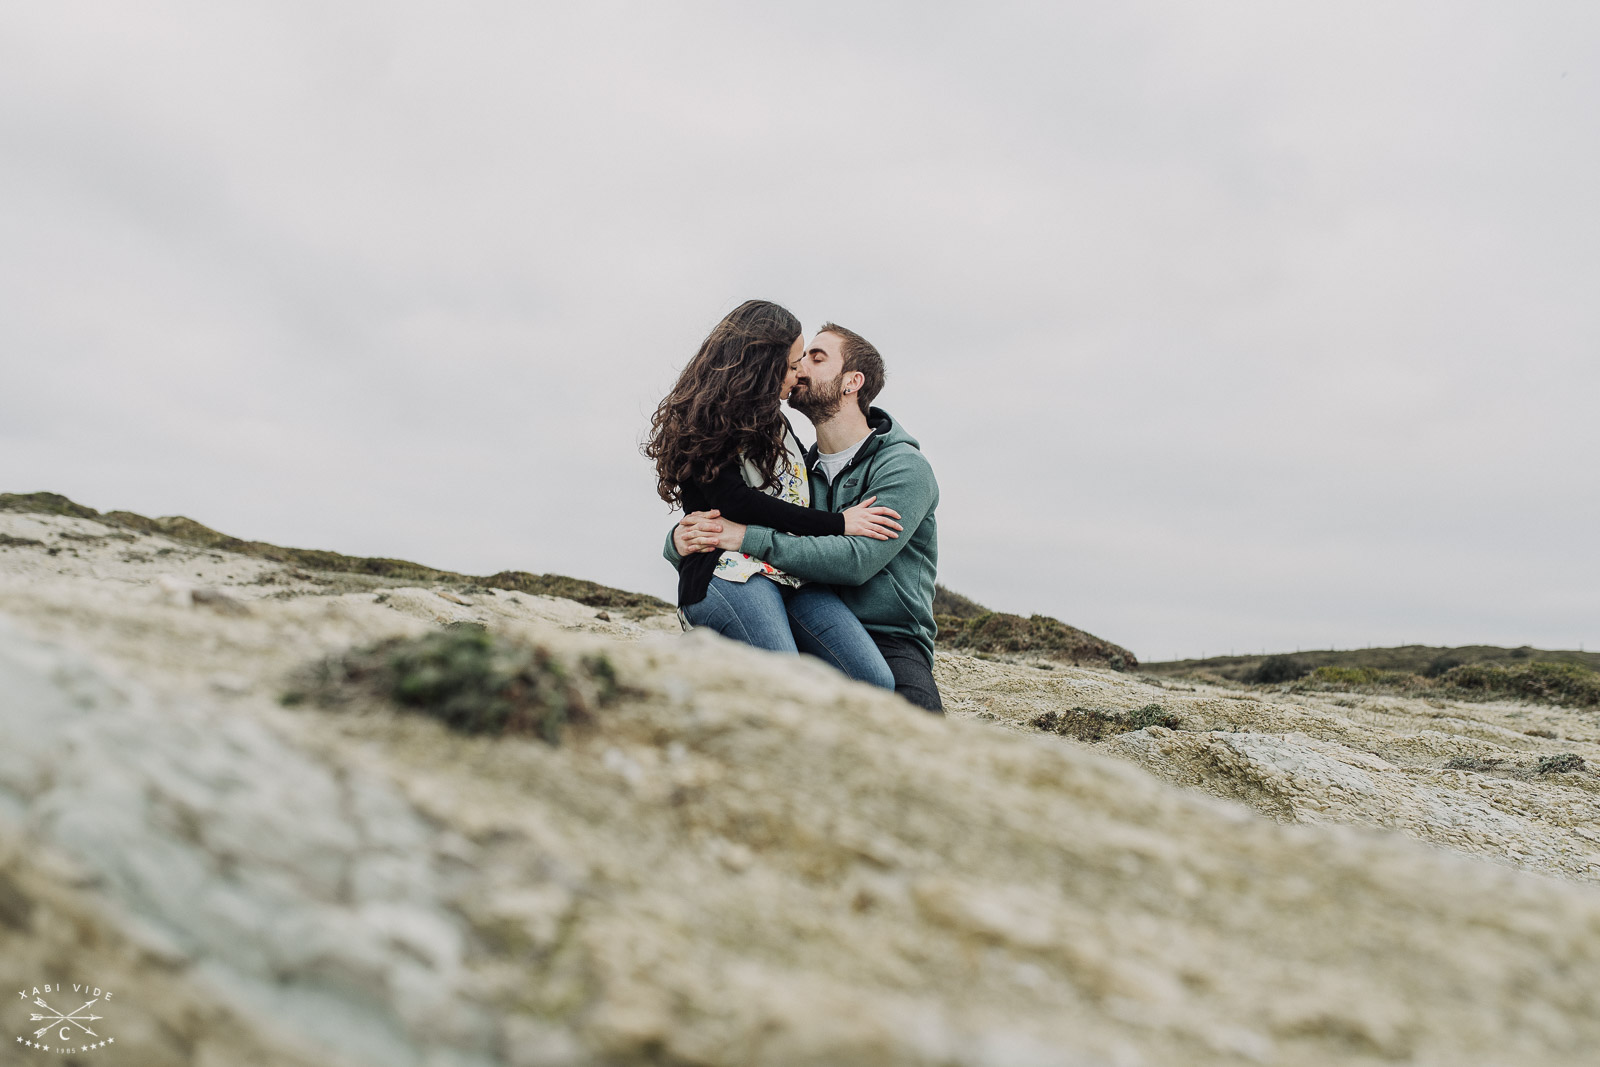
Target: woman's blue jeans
781,618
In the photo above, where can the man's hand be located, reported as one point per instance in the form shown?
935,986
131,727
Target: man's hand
707,531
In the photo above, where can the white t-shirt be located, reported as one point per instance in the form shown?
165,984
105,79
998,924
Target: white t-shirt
831,463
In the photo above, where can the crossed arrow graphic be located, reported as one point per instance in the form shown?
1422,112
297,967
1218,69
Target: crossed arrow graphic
59,1018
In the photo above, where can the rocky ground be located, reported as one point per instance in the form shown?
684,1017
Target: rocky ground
1480,778
743,860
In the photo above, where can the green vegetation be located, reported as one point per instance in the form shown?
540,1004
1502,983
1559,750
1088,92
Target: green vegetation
955,605
1547,683
1426,660
1097,724
1355,677
189,532
1565,763
470,679
968,626
1561,763
46,504
1038,635
1551,683
1478,672
1275,669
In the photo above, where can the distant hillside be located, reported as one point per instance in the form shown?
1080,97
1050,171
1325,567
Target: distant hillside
967,626
1471,672
1425,660
190,532
946,602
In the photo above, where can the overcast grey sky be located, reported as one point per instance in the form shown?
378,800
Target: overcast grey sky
1225,326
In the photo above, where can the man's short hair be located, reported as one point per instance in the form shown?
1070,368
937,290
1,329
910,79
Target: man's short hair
858,354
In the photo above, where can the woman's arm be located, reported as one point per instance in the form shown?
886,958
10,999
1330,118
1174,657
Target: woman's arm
729,494
861,520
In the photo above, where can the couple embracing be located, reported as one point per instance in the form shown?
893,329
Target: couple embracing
830,551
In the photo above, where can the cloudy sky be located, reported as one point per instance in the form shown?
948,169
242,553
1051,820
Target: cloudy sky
1225,326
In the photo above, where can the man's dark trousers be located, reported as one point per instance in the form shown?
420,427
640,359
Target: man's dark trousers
913,677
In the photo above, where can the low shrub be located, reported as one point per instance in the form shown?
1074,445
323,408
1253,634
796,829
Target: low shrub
1555,683
1441,665
1278,669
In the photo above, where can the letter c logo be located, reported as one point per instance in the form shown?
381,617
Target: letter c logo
64,1034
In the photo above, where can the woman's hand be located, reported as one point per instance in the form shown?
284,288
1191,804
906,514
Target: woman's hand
864,520
697,532
707,531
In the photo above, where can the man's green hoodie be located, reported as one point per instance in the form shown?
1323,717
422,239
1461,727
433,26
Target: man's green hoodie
887,584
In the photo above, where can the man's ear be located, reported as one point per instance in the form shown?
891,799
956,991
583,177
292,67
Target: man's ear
854,381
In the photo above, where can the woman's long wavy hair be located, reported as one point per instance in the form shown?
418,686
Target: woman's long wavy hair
725,404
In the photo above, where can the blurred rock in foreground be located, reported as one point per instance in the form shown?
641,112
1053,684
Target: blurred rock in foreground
734,858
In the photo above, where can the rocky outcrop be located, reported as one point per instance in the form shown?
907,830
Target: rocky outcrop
185,531
745,859
305,896
1513,783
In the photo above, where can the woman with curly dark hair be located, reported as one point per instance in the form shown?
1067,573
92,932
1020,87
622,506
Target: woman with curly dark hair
719,441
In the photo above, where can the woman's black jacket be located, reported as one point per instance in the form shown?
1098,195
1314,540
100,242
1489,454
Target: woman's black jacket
729,494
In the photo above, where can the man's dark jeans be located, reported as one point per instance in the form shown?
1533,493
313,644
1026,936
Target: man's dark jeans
913,676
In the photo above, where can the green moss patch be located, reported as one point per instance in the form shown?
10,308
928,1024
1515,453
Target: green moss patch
1565,763
471,680
1097,724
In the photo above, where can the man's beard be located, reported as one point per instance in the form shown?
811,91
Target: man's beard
819,403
